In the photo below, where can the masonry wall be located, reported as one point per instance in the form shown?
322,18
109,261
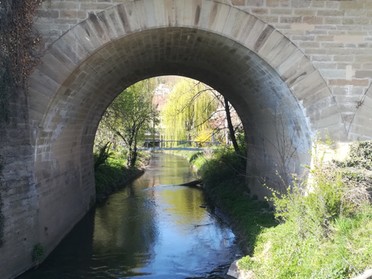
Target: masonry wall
336,35
17,189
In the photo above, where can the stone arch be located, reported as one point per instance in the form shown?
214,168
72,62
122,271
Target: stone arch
281,98
360,124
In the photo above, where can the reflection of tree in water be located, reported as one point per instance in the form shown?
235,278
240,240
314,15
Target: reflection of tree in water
182,204
125,231
159,230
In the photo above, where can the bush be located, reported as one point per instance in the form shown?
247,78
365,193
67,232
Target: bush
323,233
38,253
225,164
223,176
113,175
101,157
360,156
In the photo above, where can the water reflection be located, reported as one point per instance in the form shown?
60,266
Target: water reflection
151,229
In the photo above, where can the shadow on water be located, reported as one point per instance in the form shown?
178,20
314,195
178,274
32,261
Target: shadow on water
150,229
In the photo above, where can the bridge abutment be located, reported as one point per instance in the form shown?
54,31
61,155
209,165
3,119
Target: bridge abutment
18,192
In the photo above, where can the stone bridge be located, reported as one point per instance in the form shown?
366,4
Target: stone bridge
295,70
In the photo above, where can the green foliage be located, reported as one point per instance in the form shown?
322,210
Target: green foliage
188,109
128,118
225,163
222,173
101,157
37,253
113,175
360,156
109,173
323,234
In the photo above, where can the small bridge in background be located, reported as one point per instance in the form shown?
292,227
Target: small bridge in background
184,145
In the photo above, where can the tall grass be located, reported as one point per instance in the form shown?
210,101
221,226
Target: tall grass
323,233
223,175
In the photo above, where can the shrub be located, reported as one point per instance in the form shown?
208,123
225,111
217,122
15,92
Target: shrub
37,253
225,164
101,157
360,156
323,233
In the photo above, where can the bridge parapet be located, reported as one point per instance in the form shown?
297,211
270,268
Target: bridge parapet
335,35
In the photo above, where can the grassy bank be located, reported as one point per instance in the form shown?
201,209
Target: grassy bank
322,233
113,174
222,172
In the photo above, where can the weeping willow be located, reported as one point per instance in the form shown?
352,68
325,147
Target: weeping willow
188,111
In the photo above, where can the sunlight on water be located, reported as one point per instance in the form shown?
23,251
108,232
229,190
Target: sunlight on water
151,229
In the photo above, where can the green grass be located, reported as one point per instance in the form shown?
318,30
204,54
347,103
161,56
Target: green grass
322,233
113,174
223,176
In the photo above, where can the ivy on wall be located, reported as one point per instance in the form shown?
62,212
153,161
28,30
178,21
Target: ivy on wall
18,56
18,48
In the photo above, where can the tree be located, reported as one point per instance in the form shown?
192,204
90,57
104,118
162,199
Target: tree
188,110
231,126
130,116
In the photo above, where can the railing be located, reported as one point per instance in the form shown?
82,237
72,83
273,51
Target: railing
187,145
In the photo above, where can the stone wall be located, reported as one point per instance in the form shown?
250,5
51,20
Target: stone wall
336,35
17,190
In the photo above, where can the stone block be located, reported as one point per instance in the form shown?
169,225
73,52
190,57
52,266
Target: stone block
290,62
128,17
238,2
48,13
363,74
218,18
257,35
344,82
310,84
330,121
94,6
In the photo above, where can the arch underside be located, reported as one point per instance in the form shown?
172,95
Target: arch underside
282,100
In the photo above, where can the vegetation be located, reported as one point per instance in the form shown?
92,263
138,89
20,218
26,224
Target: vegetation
18,56
111,174
360,156
38,253
223,175
18,48
319,231
188,111
129,116
323,233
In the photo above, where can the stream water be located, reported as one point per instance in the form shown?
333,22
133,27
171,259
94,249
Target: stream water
151,229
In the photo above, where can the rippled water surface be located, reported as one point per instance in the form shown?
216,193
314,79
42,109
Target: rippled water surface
151,229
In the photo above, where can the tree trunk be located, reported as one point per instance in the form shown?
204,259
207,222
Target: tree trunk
230,126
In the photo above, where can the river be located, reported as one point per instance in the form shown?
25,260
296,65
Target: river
150,229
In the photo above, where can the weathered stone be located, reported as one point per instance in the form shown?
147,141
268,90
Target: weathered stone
235,272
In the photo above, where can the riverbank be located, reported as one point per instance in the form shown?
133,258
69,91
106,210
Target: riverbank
113,175
222,175
324,234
